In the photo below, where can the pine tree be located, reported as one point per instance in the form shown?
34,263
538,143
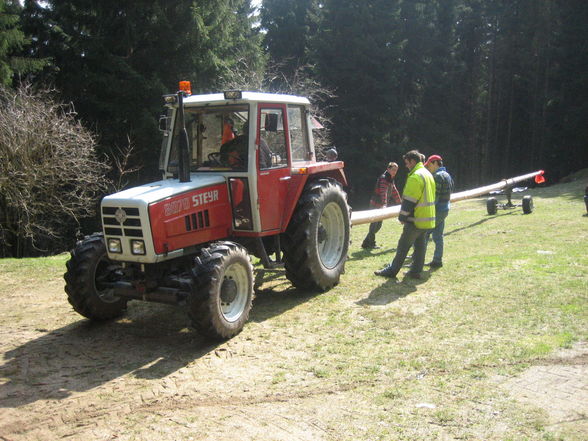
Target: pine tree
290,28
12,42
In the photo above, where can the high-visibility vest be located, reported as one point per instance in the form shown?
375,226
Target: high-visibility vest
420,189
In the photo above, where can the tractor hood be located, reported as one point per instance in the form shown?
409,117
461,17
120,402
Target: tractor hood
157,191
165,217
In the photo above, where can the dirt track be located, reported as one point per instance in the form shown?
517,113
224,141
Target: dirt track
148,377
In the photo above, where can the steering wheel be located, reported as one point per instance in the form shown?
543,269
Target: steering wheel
215,158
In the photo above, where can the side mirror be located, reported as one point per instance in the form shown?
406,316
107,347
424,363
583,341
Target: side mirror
164,122
331,154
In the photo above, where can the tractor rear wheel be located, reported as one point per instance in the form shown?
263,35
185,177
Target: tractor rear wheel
225,290
89,273
527,204
491,205
317,239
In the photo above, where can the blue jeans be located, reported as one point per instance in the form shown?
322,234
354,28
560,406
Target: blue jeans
410,236
437,234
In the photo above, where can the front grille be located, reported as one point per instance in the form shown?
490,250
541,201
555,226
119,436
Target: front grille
131,222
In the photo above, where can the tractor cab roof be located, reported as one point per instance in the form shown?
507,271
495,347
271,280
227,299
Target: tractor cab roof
220,99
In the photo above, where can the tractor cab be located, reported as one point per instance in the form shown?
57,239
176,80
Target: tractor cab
252,139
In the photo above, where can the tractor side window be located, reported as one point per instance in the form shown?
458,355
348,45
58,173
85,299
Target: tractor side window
272,139
298,134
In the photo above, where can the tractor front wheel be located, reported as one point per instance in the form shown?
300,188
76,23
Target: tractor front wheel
225,290
88,280
317,239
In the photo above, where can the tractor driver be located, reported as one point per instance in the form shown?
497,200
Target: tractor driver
234,152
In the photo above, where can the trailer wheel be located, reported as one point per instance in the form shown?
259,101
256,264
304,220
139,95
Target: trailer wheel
491,205
89,272
527,204
317,239
222,304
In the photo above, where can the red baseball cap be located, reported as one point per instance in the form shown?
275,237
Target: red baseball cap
433,158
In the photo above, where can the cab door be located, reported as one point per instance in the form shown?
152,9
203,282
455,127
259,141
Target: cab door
273,164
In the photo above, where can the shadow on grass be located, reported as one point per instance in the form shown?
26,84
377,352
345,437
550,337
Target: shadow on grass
392,290
488,217
276,295
362,254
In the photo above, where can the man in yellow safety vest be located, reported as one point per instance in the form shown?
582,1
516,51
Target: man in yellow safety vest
417,214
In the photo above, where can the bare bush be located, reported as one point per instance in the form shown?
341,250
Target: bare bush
303,82
122,170
50,176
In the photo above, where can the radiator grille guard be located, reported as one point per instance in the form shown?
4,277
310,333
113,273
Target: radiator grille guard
127,224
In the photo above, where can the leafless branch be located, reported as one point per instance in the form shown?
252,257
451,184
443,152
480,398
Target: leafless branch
50,176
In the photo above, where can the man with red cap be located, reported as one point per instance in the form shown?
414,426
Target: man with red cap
444,187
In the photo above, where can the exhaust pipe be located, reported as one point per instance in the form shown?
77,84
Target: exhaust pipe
184,151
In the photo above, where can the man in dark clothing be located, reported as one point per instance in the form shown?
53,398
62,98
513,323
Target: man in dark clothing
444,187
385,194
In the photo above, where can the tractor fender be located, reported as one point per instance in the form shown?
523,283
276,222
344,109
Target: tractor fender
302,175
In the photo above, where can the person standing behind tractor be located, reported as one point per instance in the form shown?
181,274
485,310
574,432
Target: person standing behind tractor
417,213
444,187
385,194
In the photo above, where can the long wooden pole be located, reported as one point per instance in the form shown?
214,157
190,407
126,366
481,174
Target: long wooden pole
369,216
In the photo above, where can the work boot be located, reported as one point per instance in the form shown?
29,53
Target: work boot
412,275
387,271
435,264
370,246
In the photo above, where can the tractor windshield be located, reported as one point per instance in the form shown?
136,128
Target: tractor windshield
218,138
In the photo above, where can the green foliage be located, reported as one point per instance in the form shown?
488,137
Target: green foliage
12,41
474,80
115,59
290,27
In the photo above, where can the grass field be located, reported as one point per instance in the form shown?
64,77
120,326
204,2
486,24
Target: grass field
372,359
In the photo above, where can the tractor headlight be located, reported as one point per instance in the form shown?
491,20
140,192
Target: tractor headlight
138,247
114,246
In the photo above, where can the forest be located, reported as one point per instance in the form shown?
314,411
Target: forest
497,87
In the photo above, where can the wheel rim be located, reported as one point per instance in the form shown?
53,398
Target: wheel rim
234,292
331,235
104,274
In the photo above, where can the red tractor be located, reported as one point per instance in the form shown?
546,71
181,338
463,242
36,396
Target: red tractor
240,177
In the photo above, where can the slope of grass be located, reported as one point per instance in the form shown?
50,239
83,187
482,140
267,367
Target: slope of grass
421,357
513,290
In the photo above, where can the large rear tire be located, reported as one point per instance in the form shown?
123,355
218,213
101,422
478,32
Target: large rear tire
317,239
89,273
225,290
